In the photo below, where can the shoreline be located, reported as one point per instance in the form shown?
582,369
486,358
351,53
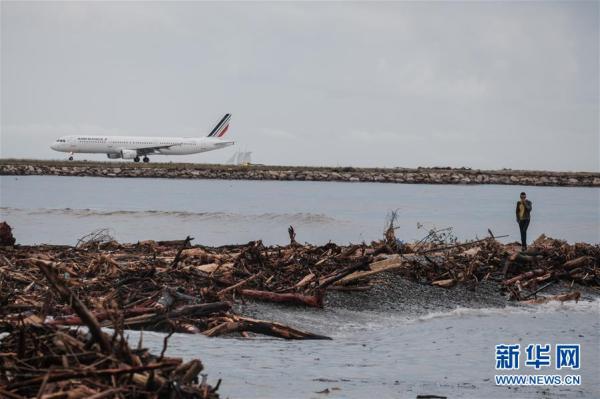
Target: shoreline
194,289
252,290
461,176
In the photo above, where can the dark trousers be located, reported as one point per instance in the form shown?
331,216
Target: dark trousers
523,224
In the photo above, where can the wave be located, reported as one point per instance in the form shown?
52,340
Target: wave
341,323
583,306
298,217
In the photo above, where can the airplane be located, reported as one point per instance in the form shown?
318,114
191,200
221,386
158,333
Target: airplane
132,147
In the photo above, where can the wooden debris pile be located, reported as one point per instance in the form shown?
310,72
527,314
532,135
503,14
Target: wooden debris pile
45,361
175,286
548,261
163,286
49,362
445,265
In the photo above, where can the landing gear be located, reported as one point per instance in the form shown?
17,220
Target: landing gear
70,158
146,159
136,159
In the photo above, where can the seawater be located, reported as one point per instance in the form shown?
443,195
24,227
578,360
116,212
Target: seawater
415,342
60,210
394,355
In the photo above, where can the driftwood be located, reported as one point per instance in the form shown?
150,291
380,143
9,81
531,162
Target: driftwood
67,296
174,286
46,362
245,324
362,264
524,276
574,263
392,263
571,296
74,368
237,285
186,243
445,283
315,301
200,310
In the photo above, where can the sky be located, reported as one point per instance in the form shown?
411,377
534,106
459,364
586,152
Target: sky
476,84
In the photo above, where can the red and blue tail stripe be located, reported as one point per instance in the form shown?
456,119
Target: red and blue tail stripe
221,127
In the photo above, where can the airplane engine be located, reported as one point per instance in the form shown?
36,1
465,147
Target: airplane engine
113,156
128,154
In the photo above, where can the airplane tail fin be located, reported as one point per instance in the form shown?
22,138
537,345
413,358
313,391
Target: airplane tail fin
221,128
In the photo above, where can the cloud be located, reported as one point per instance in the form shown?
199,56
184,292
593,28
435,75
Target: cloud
277,134
481,84
383,137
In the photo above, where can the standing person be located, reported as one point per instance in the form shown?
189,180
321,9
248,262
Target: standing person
523,217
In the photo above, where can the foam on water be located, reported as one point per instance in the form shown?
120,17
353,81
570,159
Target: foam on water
592,307
448,353
219,212
298,217
344,323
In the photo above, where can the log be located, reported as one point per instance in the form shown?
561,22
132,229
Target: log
190,371
237,285
540,289
186,328
361,265
245,324
208,267
570,296
305,280
89,373
448,283
201,310
537,280
67,296
74,320
292,235
315,301
145,319
465,244
191,311
574,263
526,275
186,244
392,263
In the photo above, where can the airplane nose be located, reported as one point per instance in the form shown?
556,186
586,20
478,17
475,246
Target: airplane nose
54,146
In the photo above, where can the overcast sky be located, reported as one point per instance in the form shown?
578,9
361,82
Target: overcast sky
482,85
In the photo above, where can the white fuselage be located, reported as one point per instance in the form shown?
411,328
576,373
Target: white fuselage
130,146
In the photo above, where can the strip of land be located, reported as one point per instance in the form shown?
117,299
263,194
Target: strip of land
13,167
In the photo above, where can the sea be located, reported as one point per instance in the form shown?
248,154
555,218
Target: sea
418,340
60,210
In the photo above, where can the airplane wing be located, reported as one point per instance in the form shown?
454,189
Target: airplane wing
152,150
